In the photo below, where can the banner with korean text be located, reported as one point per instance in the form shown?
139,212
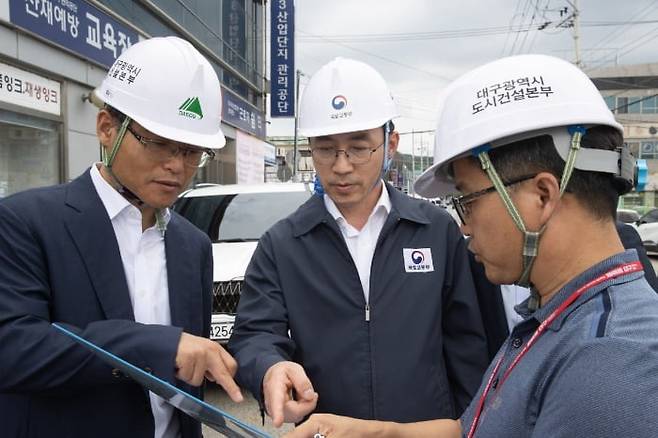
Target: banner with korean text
282,56
75,25
249,159
29,90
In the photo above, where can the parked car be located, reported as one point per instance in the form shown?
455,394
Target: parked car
647,228
234,217
628,216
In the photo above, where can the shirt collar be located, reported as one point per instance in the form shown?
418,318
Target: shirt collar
601,268
112,200
314,211
384,202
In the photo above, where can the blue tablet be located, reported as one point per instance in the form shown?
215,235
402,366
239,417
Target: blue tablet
198,409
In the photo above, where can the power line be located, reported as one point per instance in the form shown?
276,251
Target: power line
534,36
383,58
626,105
643,39
509,32
308,38
626,25
622,30
516,37
530,27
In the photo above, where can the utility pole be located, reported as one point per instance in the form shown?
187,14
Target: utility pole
298,75
576,32
420,151
413,161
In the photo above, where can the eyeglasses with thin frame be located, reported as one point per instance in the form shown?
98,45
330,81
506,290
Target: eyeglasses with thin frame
462,204
354,154
163,150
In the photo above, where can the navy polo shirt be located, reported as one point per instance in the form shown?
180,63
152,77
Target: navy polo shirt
594,371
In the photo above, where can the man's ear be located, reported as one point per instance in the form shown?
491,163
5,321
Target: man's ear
393,141
547,187
105,128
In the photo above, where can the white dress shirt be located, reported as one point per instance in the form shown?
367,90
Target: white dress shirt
145,266
513,295
361,243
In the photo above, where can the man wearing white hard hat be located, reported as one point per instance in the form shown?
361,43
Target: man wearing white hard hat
105,257
539,159
372,285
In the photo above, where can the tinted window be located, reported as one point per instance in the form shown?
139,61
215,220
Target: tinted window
239,217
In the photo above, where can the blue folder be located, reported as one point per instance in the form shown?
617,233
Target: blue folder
201,411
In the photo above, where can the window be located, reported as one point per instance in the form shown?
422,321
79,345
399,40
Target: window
634,105
649,105
29,152
239,217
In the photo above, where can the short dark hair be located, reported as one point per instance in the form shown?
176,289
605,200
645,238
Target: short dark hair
115,113
596,191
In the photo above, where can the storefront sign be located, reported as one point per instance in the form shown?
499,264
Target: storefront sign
249,159
282,50
28,90
240,114
75,25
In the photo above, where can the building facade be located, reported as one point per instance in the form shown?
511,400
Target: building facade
631,92
53,53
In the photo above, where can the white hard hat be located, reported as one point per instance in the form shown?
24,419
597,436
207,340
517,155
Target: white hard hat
508,100
169,88
345,96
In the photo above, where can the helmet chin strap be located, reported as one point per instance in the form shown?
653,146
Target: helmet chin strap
530,238
386,164
108,161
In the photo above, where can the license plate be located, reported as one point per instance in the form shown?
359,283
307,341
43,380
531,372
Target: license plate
221,331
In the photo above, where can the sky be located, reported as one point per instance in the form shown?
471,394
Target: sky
419,46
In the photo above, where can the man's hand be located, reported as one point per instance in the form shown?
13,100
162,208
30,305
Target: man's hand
279,382
199,357
334,426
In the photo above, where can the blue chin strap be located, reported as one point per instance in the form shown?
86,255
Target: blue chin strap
386,164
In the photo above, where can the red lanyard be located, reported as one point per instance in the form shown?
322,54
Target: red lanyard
626,268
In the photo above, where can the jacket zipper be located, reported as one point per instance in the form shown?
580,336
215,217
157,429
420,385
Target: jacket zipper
367,312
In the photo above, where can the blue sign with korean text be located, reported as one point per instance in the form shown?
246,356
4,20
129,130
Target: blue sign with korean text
240,114
75,25
282,54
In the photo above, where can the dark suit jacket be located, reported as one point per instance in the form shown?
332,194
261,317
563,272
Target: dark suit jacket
491,307
60,262
631,239
491,300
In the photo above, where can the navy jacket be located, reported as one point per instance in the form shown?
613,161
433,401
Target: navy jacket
491,307
60,262
421,355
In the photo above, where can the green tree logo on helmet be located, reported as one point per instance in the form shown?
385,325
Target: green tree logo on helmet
191,108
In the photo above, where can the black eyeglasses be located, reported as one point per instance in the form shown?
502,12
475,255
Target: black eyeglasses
163,150
354,154
462,204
